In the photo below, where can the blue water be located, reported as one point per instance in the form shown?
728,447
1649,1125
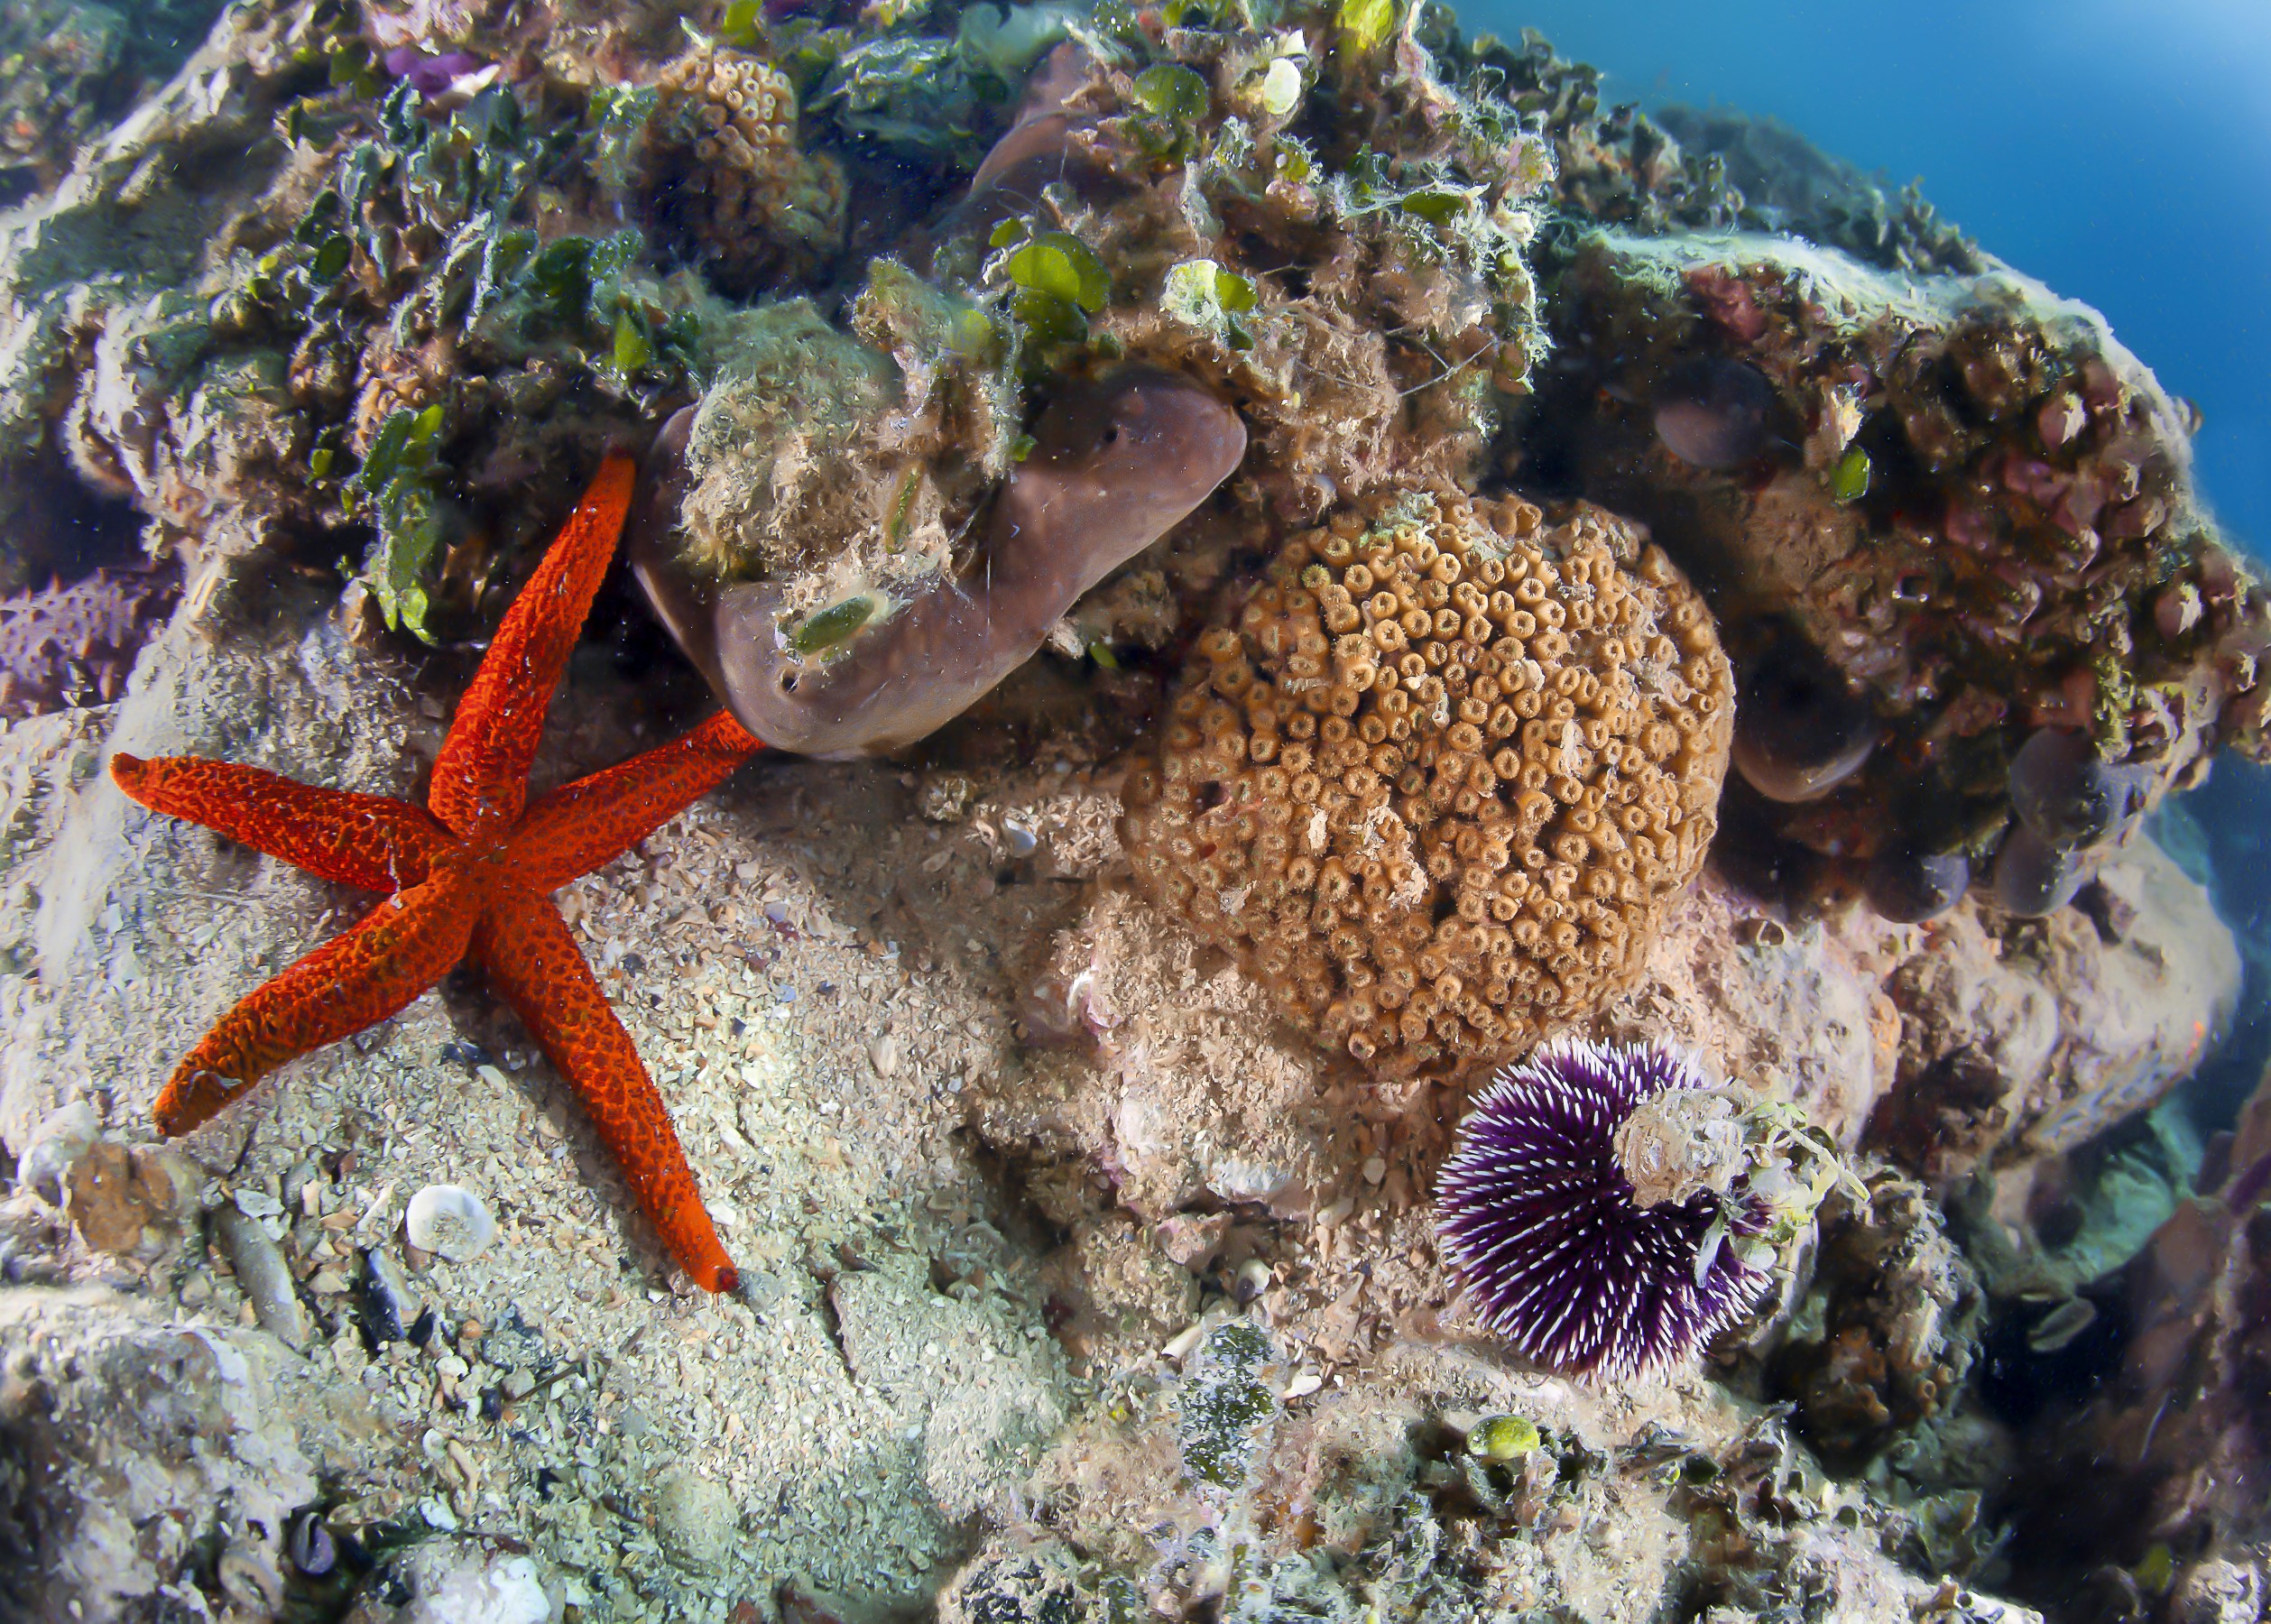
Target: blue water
2120,150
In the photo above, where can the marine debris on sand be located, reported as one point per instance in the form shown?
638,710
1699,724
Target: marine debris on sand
1260,535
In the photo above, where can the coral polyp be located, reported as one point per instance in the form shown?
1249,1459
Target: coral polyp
1538,1214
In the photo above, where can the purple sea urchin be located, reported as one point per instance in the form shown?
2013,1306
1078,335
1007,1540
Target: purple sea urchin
1536,1215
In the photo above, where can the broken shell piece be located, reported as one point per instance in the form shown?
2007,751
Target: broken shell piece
449,1220
262,1274
313,1551
247,1576
62,1137
1253,1279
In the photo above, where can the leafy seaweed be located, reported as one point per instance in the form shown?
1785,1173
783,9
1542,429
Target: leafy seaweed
394,490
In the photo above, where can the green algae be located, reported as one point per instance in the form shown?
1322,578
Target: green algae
830,626
1850,481
1503,1438
1056,283
394,490
1172,91
1366,24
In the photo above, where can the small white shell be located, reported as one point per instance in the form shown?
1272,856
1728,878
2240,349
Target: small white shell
449,1219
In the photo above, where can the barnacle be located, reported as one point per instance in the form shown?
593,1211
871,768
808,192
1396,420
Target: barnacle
1436,781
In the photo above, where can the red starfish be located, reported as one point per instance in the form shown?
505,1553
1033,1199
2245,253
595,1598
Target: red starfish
470,879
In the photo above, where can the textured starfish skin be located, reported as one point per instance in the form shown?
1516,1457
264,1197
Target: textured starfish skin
470,879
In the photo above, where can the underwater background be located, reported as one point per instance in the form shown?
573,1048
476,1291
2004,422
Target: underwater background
1471,856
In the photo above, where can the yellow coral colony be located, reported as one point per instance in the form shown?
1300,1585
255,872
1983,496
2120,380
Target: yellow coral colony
1436,785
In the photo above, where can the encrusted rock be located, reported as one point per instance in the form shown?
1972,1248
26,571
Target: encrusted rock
460,1579
132,1201
1975,506
1888,1328
1013,1580
2050,1037
133,1450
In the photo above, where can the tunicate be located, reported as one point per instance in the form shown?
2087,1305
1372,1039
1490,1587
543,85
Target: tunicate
2067,795
1909,887
2033,877
1799,731
450,1221
1711,412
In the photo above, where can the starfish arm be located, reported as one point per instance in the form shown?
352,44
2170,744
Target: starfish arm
585,825
401,948
533,964
371,842
480,774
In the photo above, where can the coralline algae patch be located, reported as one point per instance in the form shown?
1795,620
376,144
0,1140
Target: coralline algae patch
1436,780
74,644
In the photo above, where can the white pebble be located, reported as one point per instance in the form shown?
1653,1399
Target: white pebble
449,1220
62,1137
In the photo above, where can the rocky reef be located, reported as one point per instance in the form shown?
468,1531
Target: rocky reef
1257,535
1960,502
